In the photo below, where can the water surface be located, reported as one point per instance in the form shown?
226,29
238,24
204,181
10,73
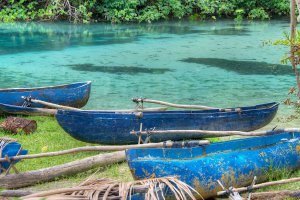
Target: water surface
217,64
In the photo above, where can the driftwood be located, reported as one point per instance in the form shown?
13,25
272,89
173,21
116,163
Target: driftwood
244,189
14,193
276,195
216,133
47,174
141,100
16,124
104,148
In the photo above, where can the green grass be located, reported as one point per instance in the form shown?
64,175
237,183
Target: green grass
51,137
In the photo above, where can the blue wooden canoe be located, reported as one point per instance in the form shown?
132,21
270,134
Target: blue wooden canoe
74,95
115,127
9,149
234,163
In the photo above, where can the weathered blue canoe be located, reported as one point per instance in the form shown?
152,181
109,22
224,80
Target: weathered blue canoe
74,95
115,127
9,149
234,163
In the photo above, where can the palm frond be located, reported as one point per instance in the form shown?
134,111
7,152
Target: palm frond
106,189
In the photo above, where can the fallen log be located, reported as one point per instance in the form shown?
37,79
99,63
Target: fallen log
47,174
14,193
215,133
142,100
276,195
167,144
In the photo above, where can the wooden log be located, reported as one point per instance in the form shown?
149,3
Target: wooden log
141,100
14,193
276,195
244,189
167,144
216,133
48,174
16,124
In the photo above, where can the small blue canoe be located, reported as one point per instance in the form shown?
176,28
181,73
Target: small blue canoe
115,127
9,149
234,163
73,95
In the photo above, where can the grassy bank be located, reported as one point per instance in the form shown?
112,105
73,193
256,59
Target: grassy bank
51,137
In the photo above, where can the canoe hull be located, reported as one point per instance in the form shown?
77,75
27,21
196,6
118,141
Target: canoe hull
74,95
234,163
115,127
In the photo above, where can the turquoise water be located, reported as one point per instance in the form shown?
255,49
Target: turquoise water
212,63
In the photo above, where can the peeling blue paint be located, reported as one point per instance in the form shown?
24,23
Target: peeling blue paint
234,163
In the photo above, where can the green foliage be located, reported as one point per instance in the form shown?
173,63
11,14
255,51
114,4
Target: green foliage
258,13
116,11
239,15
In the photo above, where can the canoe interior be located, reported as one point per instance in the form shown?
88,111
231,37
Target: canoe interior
254,143
234,162
115,127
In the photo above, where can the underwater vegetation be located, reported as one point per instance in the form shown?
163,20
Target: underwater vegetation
243,67
87,67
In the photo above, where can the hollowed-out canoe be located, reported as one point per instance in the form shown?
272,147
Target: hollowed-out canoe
9,149
234,163
115,127
73,95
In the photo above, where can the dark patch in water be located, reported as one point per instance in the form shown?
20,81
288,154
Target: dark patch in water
243,67
87,67
229,31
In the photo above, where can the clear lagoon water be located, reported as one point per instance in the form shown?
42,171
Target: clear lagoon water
219,64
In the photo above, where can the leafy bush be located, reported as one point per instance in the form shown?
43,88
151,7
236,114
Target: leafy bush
117,11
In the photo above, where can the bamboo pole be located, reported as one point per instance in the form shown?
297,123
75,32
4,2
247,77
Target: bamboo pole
167,144
51,105
57,106
51,173
257,186
141,100
216,133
